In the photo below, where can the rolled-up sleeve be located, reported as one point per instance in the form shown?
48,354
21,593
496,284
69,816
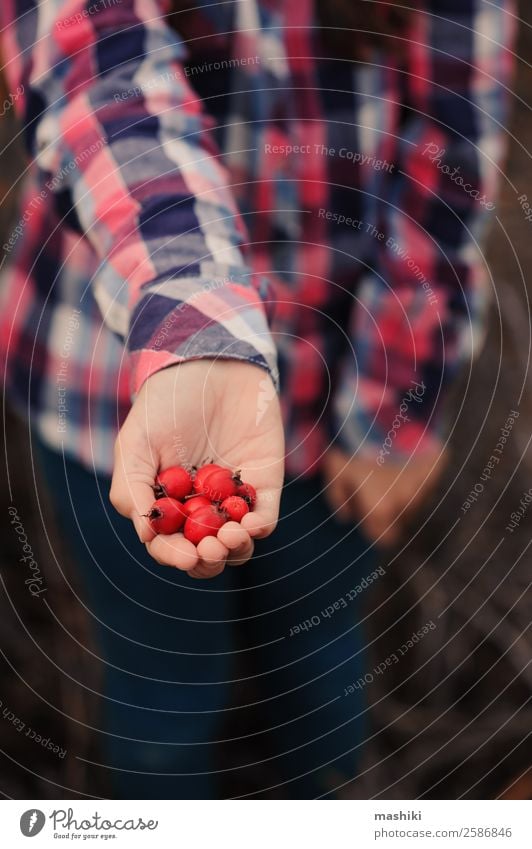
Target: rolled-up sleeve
113,124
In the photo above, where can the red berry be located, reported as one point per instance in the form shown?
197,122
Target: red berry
248,493
202,473
235,507
219,484
192,504
205,522
175,482
166,516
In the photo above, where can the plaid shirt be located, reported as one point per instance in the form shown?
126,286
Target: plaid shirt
237,196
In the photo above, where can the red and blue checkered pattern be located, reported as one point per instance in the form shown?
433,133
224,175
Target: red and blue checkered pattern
246,196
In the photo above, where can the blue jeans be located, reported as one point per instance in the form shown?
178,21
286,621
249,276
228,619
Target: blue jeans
174,648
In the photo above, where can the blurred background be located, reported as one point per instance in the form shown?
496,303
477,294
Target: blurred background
453,719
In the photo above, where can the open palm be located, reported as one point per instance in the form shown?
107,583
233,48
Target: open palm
223,411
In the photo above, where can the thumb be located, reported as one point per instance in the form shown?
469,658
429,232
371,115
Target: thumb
131,492
262,520
338,494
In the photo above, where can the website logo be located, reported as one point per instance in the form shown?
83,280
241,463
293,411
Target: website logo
32,822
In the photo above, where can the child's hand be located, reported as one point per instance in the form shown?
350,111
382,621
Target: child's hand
383,497
222,410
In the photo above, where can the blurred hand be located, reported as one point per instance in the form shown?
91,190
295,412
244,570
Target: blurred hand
383,498
225,411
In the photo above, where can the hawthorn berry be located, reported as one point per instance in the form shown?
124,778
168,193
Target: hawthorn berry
204,522
166,516
194,503
219,484
248,493
234,507
175,482
202,473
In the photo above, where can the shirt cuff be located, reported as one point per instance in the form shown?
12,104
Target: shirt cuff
184,319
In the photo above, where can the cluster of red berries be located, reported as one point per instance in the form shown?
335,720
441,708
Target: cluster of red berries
200,501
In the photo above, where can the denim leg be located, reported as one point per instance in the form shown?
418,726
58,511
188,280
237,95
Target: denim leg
164,641
301,622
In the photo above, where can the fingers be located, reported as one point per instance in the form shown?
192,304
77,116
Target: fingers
340,485
237,558
379,514
238,542
133,500
131,492
262,520
385,506
141,503
338,498
208,559
232,546
241,555
204,572
381,526
173,550
213,555
232,535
